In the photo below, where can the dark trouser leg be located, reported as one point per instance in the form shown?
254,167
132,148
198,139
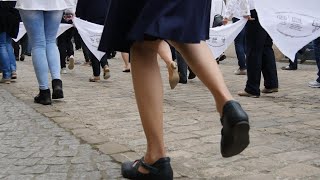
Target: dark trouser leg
239,43
24,44
16,49
269,67
182,67
69,34
317,55
62,45
255,38
95,64
104,61
294,64
77,39
86,52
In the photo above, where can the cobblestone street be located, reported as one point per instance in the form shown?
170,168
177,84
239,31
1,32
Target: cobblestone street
96,127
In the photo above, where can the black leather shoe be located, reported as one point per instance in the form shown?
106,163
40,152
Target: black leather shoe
160,170
44,97
57,89
288,68
235,131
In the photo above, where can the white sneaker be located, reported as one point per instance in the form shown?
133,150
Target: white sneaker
314,84
63,71
71,62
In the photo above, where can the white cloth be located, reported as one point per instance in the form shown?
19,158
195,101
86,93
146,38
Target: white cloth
221,37
45,5
23,31
91,35
237,8
217,7
290,25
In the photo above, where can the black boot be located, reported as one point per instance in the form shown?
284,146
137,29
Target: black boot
44,97
57,89
235,131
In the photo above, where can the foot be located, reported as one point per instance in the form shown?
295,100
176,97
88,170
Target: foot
191,75
173,74
5,81
288,68
314,84
160,170
22,57
126,70
57,92
240,72
94,79
272,90
14,75
235,131
106,72
244,93
63,71
71,62
43,97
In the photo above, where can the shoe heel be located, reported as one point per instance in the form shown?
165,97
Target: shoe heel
241,138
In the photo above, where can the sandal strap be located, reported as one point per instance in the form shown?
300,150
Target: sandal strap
148,167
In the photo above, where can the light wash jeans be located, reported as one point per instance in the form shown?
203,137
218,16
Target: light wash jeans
7,59
42,28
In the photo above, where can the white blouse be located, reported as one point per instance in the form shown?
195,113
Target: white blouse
46,5
238,8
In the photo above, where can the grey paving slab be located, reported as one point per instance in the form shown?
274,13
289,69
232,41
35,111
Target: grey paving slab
34,147
285,133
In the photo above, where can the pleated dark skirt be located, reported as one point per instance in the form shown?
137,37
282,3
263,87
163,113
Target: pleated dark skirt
185,21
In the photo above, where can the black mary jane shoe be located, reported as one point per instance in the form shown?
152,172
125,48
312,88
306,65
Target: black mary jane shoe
160,170
235,131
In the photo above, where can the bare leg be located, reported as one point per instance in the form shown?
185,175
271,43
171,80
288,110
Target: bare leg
148,89
165,54
125,58
201,61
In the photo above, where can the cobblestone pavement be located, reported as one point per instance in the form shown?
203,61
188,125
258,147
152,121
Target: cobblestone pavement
285,134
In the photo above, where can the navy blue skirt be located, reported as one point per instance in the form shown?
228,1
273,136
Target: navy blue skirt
184,21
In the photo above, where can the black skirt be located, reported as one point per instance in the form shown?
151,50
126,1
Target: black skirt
184,21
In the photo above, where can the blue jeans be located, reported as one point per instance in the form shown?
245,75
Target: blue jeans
316,44
42,28
7,59
240,47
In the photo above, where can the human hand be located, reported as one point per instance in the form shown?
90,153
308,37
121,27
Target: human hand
225,21
249,18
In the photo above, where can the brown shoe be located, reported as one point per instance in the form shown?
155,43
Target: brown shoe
94,79
71,62
272,90
106,72
244,93
173,75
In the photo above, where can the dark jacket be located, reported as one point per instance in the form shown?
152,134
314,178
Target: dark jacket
92,10
9,18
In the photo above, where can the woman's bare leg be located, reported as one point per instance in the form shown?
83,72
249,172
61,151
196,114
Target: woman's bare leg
125,58
165,54
148,89
200,59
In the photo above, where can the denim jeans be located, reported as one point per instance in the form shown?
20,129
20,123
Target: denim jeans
7,59
240,47
42,28
316,44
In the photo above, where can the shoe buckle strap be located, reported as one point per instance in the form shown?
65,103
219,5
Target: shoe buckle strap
148,167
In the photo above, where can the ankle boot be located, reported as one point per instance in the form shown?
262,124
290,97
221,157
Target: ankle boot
44,97
57,89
